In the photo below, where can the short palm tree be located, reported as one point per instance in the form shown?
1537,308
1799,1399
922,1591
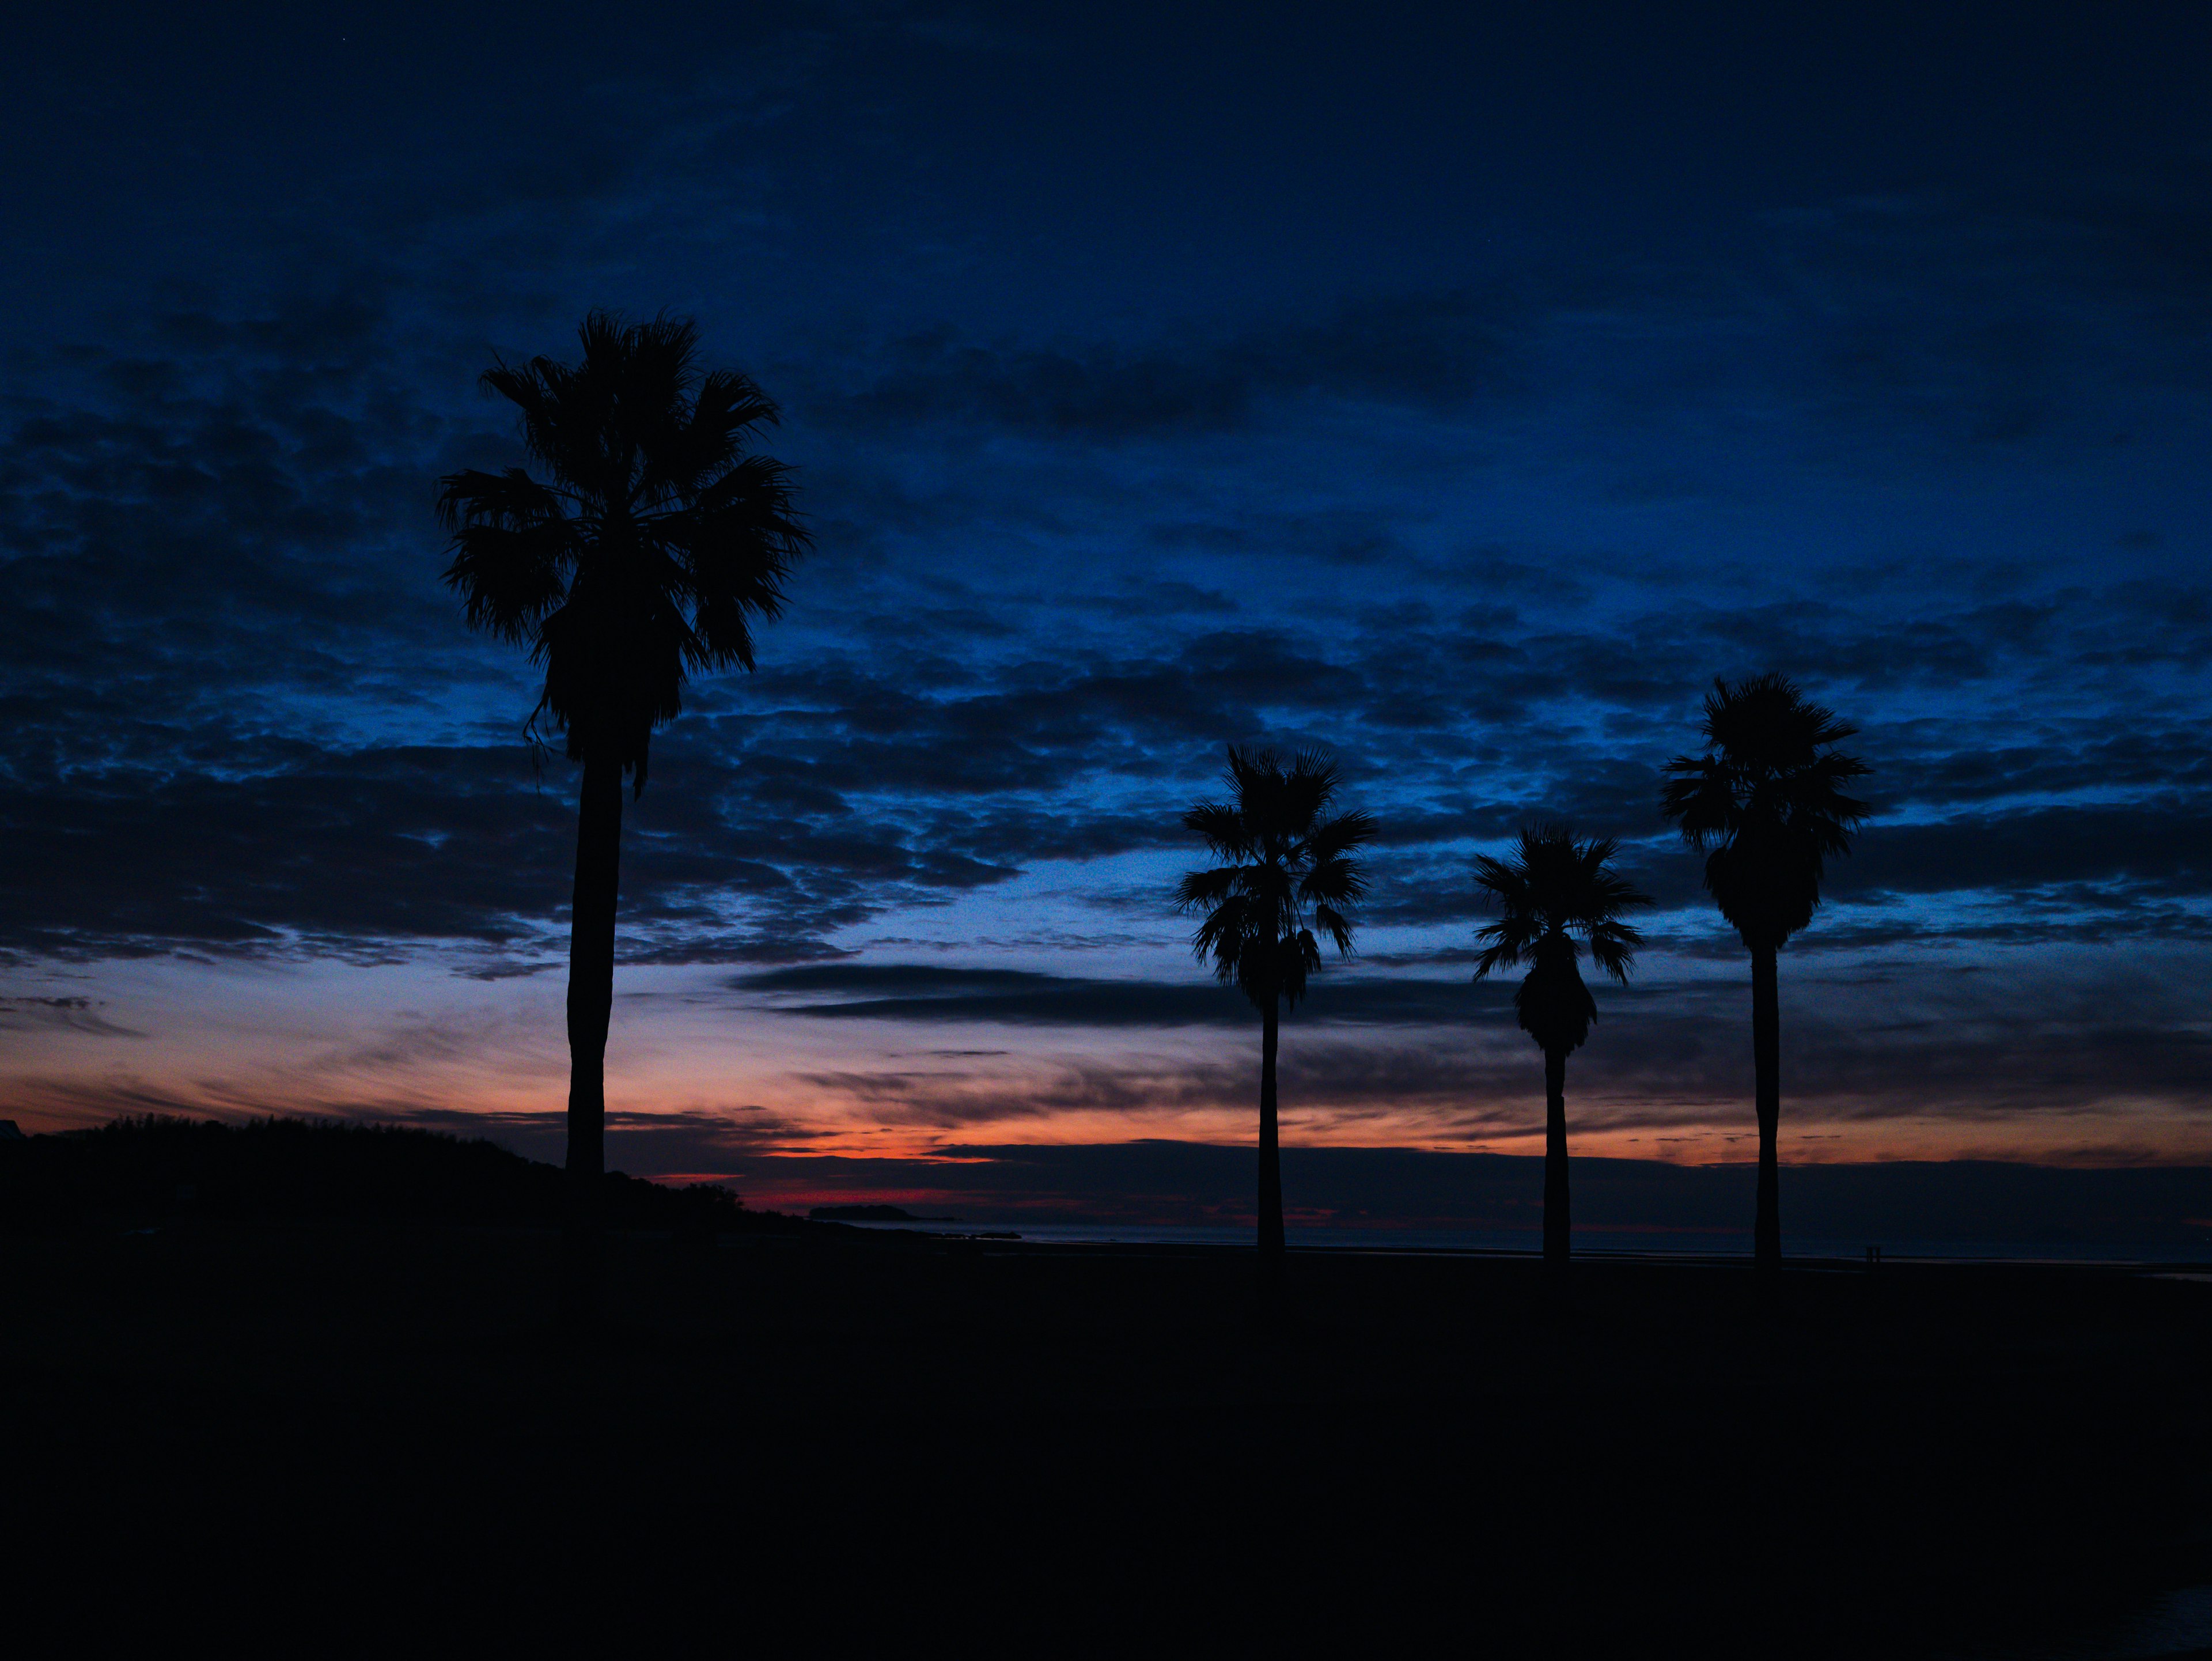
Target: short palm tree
640,555
1766,803
1286,871
1552,889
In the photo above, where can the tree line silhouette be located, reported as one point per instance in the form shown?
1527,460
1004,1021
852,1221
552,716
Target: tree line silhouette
150,1167
658,535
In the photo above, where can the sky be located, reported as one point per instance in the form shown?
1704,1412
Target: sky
1457,389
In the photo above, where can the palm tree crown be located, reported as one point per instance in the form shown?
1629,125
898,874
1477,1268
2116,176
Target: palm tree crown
654,539
1283,859
1550,890
1765,803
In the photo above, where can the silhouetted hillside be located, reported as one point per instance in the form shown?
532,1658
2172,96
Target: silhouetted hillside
153,1169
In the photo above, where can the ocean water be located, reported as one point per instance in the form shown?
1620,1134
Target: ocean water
1589,1242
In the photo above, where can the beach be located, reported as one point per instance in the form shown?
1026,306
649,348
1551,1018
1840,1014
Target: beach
1004,1446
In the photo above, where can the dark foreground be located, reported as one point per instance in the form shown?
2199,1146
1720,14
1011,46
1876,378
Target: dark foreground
309,1435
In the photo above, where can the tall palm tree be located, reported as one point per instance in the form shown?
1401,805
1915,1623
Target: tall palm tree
640,556
1552,889
1766,803
1281,859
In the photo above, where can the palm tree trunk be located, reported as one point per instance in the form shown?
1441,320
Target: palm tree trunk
591,1003
1555,1160
1271,1162
1766,1072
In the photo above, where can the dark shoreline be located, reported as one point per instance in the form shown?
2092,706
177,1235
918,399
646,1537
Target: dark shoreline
850,1432
1816,1258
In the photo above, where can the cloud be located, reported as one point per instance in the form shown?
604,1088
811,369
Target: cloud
76,1014
1925,1038
840,793
2008,331
922,992
238,714
2121,855
221,608
1434,351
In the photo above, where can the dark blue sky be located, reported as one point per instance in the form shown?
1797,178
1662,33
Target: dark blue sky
1461,390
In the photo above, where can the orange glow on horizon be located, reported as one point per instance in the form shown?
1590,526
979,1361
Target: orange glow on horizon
728,1086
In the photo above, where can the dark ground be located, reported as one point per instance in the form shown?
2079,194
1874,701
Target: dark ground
301,1432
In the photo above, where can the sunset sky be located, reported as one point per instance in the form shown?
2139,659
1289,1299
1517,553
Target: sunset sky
1460,389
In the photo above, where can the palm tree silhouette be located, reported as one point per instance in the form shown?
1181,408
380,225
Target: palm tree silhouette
1552,889
655,538
1281,858
1765,805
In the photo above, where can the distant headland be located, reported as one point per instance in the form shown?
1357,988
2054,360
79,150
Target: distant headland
870,1214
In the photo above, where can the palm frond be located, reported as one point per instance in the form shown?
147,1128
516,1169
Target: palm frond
1511,940
1552,889
1765,803
1613,945
1331,844
1223,826
651,543
1209,887
1333,924
1278,862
